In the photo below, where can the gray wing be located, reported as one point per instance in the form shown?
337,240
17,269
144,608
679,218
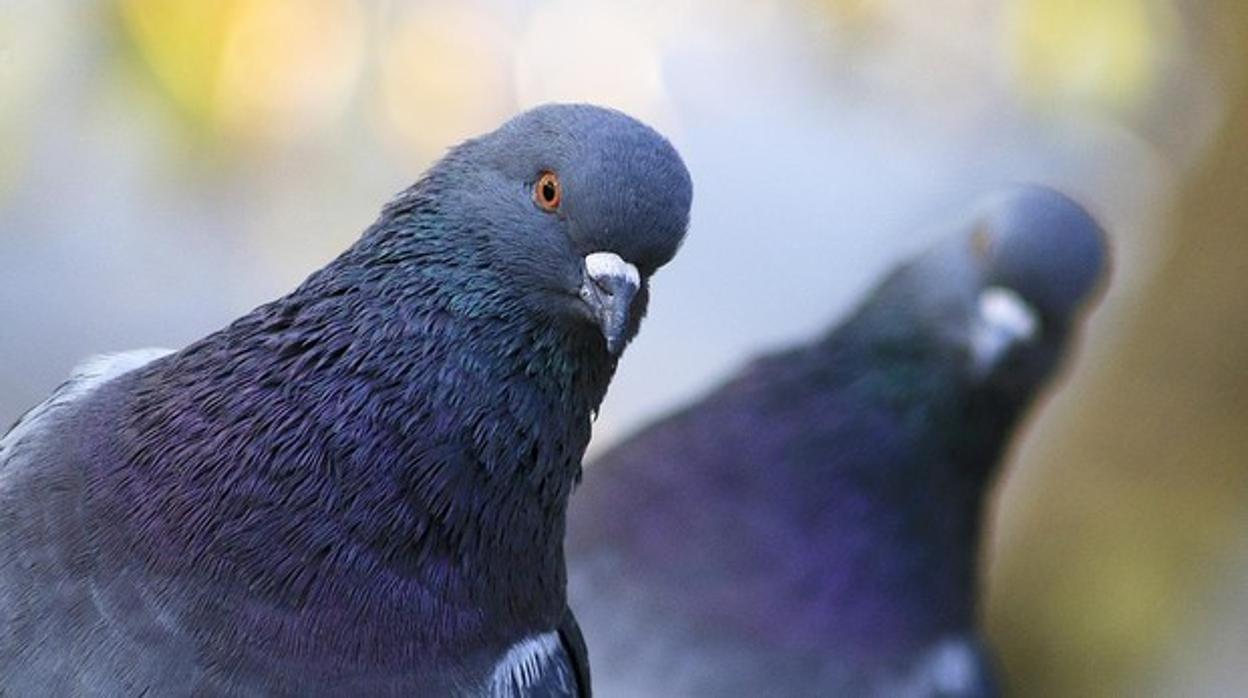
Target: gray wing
641,646
63,634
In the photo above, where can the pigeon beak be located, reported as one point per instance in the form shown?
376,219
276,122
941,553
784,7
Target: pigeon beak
1003,322
608,288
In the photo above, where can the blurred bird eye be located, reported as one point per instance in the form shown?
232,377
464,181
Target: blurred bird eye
547,192
981,243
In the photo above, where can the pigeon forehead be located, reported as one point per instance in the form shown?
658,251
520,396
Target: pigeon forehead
601,146
629,196
1044,245
625,186
568,125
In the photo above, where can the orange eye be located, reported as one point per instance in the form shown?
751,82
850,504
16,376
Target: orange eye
547,192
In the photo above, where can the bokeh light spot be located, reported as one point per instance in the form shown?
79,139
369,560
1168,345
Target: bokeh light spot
180,42
1107,54
445,76
31,37
599,53
288,66
259,70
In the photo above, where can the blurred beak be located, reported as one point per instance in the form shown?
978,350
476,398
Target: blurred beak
1002,322
608,288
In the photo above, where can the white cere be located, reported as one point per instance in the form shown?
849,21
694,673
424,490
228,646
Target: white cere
610,264
1003,321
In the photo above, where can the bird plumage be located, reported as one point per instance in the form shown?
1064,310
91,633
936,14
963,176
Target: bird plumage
359,488
812,526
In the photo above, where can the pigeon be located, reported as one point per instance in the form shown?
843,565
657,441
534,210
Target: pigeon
811,527
358,489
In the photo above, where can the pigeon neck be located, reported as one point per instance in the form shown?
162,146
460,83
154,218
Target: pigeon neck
901,524
363,437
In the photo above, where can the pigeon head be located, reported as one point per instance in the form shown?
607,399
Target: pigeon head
580,205
1040,258
1044,247
1006,285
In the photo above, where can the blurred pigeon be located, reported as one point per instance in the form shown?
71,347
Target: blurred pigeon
359,489
811,528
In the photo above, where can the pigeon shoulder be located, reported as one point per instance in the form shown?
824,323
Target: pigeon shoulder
56,609
83,380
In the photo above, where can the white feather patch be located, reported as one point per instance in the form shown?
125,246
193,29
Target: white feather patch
523,664
952,667
602,264
1003,320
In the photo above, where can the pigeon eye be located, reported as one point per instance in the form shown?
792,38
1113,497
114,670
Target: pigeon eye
547,192
981,242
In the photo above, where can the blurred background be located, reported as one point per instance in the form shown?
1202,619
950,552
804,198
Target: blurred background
167,165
